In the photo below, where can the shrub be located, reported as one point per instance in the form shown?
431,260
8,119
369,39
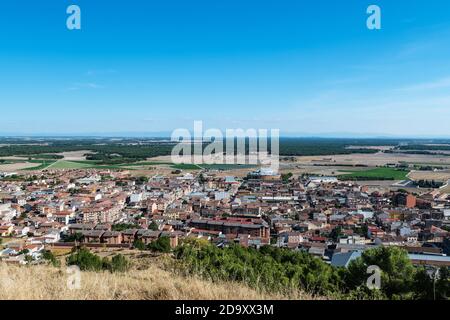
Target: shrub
153,226
119,264
78,236
138,244
88,261
49,256
85,260
124,226
162,244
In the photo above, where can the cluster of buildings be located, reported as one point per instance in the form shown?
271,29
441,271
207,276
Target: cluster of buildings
331,219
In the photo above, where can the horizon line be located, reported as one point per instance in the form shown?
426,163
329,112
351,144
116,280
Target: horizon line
166,135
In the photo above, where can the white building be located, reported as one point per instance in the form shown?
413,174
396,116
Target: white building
317,180
7,213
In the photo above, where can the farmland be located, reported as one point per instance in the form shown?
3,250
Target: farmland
15,166
40,164
68,165
442,175
125,150
363,159
376,174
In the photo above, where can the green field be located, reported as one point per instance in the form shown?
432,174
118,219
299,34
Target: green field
62,164
146,163
78,164
376,174
225,167
43,164
186,166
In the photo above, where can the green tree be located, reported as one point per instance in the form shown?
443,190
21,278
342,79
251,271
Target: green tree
24,251
442,285
269,268
153,226
432,285
362,292
86,260
336,233
141,180
49,256
119,264
397,271
74,237
423,284
162,244
138,244
286,176
124,226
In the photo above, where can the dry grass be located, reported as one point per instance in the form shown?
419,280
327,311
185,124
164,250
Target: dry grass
371,160
75,155
430,175
49,283
17,166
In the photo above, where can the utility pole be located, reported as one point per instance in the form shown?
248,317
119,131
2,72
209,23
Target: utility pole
436,274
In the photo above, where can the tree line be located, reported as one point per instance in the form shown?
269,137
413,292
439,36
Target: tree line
278,269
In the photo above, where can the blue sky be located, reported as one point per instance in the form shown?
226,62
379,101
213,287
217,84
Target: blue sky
306,67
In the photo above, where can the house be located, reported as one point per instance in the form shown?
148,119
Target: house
79,227
21,231
129,235
353,239
103,226
173,238
447,214
8,252
6,231
317,250
64,216
374,232
7,213
253,227
429,260
343,259
319,180
290,238
94,236
136,198
147,236
18,259
111,237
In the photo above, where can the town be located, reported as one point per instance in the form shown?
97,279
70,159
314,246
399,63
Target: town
331,219
228,151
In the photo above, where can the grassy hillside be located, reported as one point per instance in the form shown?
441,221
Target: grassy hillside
152,283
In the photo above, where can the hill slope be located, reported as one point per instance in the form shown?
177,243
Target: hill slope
153,283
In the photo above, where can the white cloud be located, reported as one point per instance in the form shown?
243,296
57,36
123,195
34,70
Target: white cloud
435,84
87,85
